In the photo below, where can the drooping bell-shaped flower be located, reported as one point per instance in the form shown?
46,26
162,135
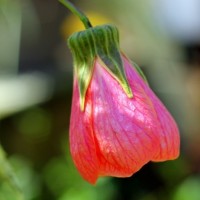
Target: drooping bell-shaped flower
117,123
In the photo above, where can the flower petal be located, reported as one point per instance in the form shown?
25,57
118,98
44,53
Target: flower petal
168,132
124,128
82,144
169,137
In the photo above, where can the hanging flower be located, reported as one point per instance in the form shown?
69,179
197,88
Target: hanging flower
117,123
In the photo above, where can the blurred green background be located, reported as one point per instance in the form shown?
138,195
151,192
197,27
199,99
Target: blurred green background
162,36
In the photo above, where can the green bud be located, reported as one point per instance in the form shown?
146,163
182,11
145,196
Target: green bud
99,42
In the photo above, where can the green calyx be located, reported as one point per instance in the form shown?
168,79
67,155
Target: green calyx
101,42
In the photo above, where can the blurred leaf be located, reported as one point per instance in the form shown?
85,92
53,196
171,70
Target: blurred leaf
56,176
72,194
29,179
9,184
63,180
188,190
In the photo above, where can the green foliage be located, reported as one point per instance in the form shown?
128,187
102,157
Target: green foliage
9,184
188,189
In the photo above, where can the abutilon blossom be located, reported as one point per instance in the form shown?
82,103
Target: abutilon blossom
117,123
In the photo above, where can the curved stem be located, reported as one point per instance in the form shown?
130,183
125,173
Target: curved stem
77,12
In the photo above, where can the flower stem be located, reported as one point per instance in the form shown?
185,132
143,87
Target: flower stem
77,12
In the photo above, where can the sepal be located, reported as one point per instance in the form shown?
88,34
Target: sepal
98,42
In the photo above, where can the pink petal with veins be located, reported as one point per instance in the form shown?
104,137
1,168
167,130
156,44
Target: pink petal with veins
116,135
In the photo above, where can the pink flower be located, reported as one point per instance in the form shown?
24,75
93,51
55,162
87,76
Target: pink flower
116,135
